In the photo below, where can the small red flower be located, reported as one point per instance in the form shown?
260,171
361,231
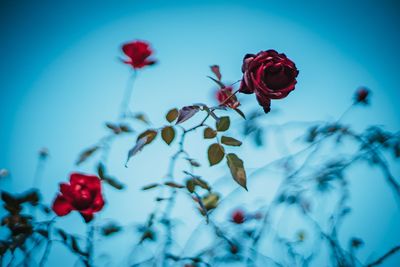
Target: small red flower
238,216
225,98
138,53
82,194
361,95
269,75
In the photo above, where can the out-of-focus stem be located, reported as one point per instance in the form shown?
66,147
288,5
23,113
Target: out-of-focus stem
124,108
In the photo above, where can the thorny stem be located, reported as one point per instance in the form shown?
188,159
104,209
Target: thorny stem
171,200
48,245
382,163
266,218
282,185
45,253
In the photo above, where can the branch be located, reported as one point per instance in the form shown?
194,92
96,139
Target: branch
384,257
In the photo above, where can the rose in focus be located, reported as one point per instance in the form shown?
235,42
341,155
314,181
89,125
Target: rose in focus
138,53
82,194
269,75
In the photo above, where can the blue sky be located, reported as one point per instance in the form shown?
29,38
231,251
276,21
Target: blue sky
61,78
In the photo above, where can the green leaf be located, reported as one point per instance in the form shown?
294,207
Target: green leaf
193,182
101,170
223,124
186,113
150,186
237,169
190,185
110,228
172,115
240,113
114,183
150,134
86,154
174,185
203,184
143,139
217,82
141,117
115,128
125,128
210,201
168,134
209,133
215,153
193,162
229,141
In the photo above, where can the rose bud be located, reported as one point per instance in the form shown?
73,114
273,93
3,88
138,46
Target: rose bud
238,216
269,75
138,53
43,153
225,98
234,249
361,96
82,194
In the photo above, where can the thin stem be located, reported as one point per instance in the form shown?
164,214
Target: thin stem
384,257
37,178
90,244
345,113
124,107
45,253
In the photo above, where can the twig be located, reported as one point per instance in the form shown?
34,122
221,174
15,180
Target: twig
381,259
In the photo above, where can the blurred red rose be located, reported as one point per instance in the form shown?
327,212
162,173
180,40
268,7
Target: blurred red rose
238,216
361,95
138,53
225,98
269,75
82,194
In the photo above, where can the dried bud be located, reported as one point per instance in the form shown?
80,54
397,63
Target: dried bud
356,242
43,153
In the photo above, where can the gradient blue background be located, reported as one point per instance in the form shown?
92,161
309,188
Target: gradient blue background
61,78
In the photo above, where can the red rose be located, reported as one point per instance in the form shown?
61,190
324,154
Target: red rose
82,194
361,95
138,53
225,98
269,75
238,217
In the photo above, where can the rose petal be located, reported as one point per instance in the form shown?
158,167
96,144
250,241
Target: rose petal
61,206
98,203
264,101
90,181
